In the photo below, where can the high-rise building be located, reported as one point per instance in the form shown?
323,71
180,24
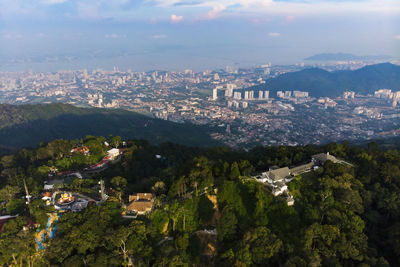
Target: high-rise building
215,94
348,94
266,94
299,94
246,95
288,94
228,92
384,93
260,94
228,129
280,94
245,104
230,86
251,95
237,95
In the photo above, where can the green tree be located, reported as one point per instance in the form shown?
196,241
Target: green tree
227,225
8,192
234,173
15,206
119,184
115,141
205,209
258,246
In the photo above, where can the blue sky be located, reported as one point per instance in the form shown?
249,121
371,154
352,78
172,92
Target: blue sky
198,34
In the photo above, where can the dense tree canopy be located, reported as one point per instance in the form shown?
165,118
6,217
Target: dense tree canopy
208,208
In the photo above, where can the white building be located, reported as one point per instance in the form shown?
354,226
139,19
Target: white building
113,153
215,94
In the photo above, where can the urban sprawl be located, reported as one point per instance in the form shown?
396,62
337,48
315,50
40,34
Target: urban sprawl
222,100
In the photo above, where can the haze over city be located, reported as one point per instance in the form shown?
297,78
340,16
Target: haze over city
141,35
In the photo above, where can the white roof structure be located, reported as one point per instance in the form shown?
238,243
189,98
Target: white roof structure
113,151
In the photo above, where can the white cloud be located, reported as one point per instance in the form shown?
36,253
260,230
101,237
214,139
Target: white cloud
8,35
274,34
115,36
216,10
289,9
397,37
175,18
290,19
89,10
159,36
52,2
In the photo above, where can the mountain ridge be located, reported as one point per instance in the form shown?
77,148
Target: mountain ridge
344,57
28,125
319,82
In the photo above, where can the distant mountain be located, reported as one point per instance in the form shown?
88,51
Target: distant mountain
345,57
28,125
323,83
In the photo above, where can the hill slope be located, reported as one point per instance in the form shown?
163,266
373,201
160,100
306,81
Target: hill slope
28,125
344,57
323,83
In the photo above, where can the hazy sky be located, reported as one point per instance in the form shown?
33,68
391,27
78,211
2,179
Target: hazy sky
198,34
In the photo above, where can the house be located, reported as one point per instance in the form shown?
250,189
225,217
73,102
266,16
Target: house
323,157
53,184
279,188
140,203
47,197
113,153
139,207
302,168
141,197
84,150
278,175
290,201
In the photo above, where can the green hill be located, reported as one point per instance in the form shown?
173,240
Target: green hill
344,57
28,125
319,82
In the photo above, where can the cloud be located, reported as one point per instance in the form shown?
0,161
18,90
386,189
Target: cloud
53,2
115,36
145,10
290,19
274,34
175,18
211,9
8,35
397,37
159,36
89,10
216,10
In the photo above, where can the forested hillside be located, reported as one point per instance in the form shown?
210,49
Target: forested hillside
208,209
28,125
321,83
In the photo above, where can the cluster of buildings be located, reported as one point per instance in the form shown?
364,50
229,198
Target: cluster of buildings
66,201
221,99
278,178
387,94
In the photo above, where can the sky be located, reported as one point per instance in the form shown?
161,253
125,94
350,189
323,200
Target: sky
141,35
